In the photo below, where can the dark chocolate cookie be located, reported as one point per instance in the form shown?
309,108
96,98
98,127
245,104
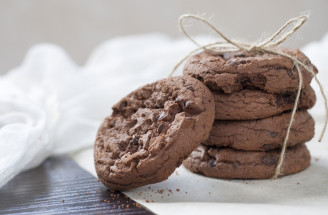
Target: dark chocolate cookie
257,104
151,131
262,134
233,164
233,72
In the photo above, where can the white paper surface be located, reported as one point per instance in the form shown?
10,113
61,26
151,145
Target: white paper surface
302,193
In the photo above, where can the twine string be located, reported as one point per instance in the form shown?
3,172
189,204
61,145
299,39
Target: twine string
267,46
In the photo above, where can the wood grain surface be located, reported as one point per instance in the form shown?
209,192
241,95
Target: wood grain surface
60,186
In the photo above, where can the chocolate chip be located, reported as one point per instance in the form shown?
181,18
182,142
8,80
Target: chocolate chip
160,128
180,102
269,160
236,164
213,163
161,116
111,123
273,134
189,87
123,105
188,104
233,63
191,107
134,140
291,74
267,147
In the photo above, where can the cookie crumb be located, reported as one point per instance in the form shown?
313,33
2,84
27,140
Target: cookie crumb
63,200
178,190
160,191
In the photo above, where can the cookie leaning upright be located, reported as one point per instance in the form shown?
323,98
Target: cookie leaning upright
151,131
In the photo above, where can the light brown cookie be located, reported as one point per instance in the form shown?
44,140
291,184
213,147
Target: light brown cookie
233,72
257,104
262,134
151,131
229,163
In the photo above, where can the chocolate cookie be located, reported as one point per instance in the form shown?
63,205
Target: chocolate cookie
233,164
257,104
262,134
233,72
151,131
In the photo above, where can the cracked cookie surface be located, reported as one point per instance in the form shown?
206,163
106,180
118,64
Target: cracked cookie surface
257,104
151,131
229,163
235,71
262,134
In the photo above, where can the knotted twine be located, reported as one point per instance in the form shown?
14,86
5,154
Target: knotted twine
269,45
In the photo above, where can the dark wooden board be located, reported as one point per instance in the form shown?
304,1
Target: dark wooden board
60,186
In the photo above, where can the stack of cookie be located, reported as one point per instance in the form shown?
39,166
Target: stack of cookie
254,94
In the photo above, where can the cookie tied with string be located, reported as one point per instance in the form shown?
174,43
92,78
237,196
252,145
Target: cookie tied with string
151,131
235,71
239,63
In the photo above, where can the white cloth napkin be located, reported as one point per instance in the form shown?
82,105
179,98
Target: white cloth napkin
50,106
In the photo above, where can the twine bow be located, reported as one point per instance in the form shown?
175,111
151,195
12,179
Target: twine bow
267,46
